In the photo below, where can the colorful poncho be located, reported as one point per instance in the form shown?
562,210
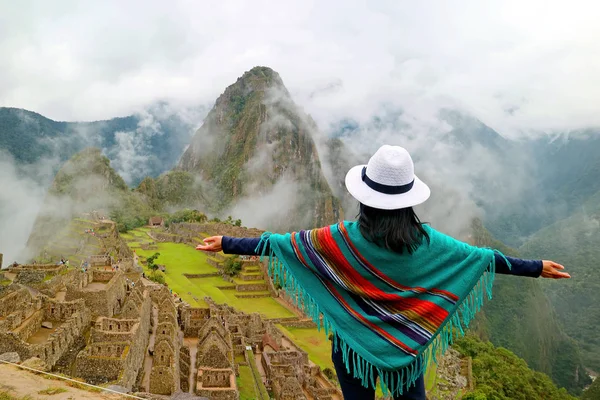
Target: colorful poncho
390,313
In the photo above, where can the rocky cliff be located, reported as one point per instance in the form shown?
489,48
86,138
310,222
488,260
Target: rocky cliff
257,159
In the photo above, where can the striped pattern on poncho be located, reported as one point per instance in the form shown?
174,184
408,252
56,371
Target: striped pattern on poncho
390,313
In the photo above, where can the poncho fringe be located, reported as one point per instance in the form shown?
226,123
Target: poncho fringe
392,382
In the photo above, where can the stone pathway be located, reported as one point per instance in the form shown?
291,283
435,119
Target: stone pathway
192,344
148,358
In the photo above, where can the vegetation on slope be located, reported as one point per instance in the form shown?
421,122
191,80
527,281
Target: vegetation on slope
172,189
593,392
254,139
158,135
501,375
521,318
84,184
575,242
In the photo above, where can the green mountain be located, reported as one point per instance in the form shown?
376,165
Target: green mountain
574,242
174,189
593,392
147,143
85,184
256,156
562,175
500,375
521,318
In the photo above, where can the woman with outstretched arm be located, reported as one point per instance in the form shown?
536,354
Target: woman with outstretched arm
392,290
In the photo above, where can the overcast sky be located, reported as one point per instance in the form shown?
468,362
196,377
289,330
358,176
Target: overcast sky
516,65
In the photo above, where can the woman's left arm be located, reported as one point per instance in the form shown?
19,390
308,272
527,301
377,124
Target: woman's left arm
530,268
231,245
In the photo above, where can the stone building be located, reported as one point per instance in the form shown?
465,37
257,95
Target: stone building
118,344
165,374
192,319
215,360
103,291
38,326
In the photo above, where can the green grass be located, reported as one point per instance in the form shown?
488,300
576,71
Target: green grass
245,384
52,391
261,390
182,259
315,343
7,396
267,306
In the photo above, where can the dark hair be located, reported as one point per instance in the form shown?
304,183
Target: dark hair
396,230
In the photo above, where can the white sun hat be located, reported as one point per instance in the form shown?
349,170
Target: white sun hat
388,181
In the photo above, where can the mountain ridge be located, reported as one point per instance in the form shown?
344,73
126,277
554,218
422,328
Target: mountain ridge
256,142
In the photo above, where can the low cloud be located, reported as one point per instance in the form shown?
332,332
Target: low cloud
20,199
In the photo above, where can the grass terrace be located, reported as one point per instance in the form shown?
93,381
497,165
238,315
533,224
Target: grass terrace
180,259
315,343
245,383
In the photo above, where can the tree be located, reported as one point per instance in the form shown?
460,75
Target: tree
238,222
232,266
593,392
150,260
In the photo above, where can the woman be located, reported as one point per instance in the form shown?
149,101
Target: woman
393,291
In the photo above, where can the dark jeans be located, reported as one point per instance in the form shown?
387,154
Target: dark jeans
353,389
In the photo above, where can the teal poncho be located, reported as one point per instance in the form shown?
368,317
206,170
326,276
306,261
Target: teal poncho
390,313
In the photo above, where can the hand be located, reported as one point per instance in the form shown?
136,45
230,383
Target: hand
213,243
552,270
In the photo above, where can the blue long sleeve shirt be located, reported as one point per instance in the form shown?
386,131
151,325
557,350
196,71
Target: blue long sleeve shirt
520,267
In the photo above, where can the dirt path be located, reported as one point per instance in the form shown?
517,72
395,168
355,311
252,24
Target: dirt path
192,344
22,383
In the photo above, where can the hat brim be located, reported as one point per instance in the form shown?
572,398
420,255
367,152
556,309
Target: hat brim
418,194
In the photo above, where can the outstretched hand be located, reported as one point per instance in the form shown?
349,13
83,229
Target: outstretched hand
212,243
552,270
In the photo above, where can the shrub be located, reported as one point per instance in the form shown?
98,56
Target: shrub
232,266
158,277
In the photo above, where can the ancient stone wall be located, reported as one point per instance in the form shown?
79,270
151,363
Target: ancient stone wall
165,364
30,326
100,260
55,310
192,319
106,301
184,368
162,381
253,287
101,362
126,339
184,228
102,276
30,277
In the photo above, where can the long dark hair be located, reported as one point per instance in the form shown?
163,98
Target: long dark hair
396,230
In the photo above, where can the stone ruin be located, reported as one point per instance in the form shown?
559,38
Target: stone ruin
103,291
117,344
107,326
226,334
165,375
38,326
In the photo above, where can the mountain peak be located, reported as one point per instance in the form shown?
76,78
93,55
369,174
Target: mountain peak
256,141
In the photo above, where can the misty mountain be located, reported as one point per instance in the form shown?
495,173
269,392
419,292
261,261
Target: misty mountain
522,319
257,159
574,242
145,144
85,183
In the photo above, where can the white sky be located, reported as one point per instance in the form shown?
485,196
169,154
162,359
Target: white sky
87,60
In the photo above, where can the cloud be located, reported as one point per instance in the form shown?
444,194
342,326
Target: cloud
20,199
517,66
